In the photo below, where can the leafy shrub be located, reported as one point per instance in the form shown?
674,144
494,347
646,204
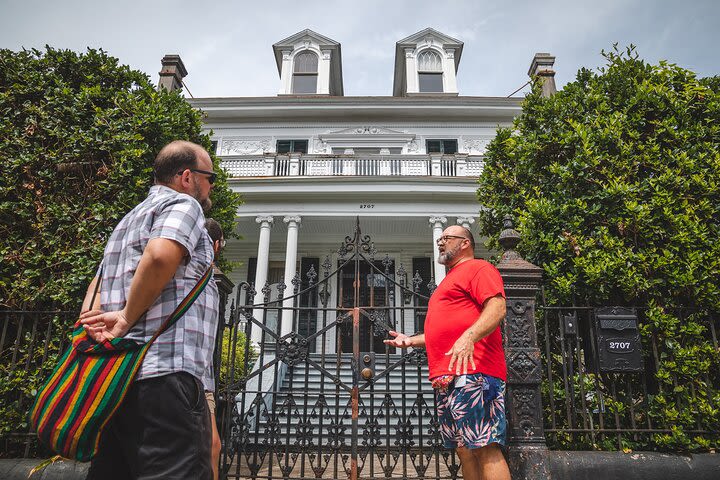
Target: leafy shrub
234,365
615,184
78,136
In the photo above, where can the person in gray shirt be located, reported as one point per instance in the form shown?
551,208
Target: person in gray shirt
154,257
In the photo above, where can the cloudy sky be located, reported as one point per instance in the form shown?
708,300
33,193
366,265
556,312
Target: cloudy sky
227,45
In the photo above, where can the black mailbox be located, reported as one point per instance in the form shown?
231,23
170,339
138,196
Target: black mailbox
618,340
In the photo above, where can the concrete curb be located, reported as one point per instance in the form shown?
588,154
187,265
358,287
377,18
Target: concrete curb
570,465
632,466
19,468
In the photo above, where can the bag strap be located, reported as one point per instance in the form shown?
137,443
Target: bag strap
185,304
97,286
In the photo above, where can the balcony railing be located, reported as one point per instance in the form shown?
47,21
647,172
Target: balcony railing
459,165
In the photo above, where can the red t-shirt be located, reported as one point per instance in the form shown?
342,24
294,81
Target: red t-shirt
454,306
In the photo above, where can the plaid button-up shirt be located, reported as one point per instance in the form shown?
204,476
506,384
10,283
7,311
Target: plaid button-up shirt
188,345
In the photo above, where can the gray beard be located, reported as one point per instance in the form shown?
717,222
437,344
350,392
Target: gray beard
447,257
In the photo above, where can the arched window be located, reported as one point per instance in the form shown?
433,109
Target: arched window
305,73
430,71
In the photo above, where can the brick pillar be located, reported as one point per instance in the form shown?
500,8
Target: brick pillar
527,452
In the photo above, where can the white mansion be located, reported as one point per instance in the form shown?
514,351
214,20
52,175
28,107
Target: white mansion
311,160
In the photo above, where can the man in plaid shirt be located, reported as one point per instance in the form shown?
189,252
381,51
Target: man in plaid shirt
154,257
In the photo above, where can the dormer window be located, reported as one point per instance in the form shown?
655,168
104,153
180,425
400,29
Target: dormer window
309,64
305,73
426,63
430,72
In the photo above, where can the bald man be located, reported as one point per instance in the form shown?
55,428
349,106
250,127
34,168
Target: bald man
465,356
154,258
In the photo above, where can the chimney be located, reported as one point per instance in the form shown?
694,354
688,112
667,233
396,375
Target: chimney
171,73
542,66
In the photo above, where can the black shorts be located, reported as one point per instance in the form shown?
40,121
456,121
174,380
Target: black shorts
161,431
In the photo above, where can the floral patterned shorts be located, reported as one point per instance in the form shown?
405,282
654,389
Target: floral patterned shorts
473,415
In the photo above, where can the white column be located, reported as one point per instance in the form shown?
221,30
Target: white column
261,271
323,80
286,73
290,264
437,226
411,76
449,78
465,222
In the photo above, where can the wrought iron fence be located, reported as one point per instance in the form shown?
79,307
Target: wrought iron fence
306,388
29,346
587,407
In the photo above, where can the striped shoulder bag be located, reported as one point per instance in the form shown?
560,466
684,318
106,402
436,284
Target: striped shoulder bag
89,384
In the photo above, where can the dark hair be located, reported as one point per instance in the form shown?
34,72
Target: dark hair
174,157
214,229
470,237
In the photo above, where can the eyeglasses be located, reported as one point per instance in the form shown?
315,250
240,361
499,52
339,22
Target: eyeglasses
212,176
445,238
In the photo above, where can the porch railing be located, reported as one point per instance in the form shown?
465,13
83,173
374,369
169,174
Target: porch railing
459,165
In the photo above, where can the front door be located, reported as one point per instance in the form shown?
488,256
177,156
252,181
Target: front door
375,293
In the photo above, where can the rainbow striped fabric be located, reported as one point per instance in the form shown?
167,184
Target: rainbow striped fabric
88,385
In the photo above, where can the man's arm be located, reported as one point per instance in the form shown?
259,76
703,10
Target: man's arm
463,349
400,340
156,268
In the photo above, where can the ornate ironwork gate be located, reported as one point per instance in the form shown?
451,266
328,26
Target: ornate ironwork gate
332,401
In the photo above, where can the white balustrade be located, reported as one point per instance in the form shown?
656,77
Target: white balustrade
474,166
347,165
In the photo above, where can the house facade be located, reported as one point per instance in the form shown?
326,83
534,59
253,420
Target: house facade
310,161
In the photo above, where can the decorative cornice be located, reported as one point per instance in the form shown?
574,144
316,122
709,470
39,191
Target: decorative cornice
366,135
256,110
245,145
366,130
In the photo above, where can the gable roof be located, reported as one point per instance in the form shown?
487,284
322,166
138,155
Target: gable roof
416,37
324,42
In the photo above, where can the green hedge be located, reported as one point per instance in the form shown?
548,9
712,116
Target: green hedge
615,183
78,136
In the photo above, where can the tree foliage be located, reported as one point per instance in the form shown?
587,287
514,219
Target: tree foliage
78,135
615,185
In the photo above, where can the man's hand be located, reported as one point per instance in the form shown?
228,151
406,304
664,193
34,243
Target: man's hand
101,325
400,340
462,352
